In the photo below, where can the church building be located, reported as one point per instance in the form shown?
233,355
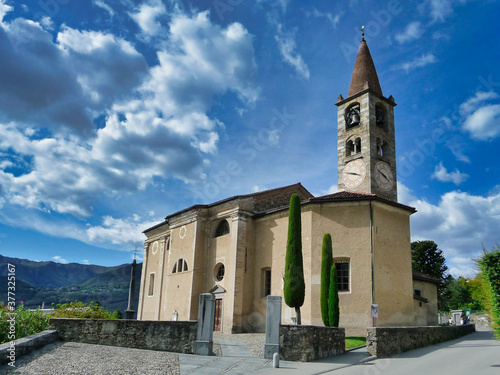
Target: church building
235,248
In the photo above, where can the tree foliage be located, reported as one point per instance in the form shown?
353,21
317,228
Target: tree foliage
294,288
489,264
333,299
426,257
326,265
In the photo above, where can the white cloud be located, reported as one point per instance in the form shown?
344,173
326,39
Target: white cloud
333,19
441,174
287,47
103,5
58,259
147,17
460,223
127,232
413,31
4,9
475,102
154,122
440,9
481,120
418,62
484,123
47,23
85,261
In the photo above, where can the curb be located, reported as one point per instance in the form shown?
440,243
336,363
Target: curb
10,351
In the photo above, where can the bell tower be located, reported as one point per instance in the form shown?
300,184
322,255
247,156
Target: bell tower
366,135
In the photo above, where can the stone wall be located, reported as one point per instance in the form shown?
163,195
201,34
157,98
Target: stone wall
25,345
387,341
179,337
309,343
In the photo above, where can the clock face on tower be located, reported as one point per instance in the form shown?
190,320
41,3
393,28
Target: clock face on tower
354,173
384,176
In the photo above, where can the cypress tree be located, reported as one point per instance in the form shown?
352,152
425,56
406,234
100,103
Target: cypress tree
294,288
333,299
326,265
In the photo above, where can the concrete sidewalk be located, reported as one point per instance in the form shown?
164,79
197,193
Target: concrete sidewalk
200,365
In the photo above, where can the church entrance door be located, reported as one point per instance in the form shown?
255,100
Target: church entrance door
218,315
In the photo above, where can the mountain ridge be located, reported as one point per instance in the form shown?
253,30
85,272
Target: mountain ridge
50,282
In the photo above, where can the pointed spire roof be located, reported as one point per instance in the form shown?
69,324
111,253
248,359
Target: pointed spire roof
364,74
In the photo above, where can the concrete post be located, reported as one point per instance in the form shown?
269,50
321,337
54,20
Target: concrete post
273,322
205,333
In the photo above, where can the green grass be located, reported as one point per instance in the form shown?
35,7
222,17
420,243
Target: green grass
354,342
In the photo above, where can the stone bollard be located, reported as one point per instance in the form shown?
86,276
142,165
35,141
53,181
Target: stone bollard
273,322
204,336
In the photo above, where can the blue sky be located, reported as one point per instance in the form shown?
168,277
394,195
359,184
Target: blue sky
116,113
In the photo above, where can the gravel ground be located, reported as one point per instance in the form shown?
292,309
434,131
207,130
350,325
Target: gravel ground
72,358
77,358
254,341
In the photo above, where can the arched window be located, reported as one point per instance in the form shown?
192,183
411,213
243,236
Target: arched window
222,229
380,116
180,266
352,115
349,148
381,147
357,146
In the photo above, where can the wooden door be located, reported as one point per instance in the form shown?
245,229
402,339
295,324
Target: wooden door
218,315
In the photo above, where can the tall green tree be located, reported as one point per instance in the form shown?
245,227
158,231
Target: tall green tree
426,257
333,299
326,265
294,288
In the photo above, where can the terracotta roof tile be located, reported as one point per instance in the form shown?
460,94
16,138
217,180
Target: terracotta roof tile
364,74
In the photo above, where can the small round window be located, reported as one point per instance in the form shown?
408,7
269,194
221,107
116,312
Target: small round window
219,272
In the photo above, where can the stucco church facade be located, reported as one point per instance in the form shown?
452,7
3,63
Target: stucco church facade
235,248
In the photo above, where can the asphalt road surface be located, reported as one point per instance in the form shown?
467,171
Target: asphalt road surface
474,354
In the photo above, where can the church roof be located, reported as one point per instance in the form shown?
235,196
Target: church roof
364,74
262,201
356,196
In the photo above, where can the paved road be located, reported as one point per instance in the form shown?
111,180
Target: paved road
474,354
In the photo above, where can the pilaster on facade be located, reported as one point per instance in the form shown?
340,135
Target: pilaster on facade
143,281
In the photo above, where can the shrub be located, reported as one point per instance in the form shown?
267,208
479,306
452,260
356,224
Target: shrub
490,267
82,310
27,322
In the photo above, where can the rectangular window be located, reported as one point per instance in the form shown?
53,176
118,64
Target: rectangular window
418,292
342,275
265,282
151,283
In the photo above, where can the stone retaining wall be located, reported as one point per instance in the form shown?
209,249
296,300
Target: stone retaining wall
308,343
178,337
387,341
25,345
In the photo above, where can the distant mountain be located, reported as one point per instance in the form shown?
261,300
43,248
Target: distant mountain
49,282
51,274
